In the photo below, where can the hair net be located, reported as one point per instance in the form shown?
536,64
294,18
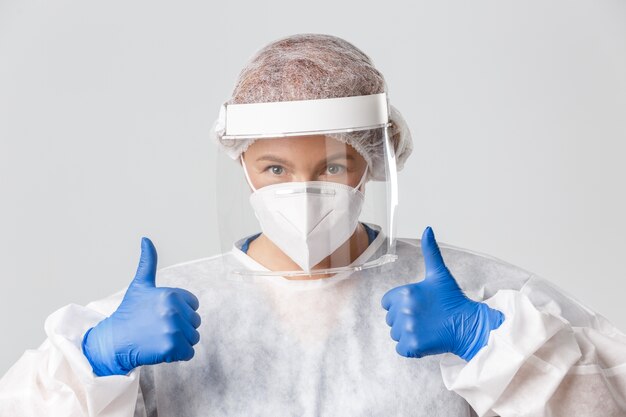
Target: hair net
314,66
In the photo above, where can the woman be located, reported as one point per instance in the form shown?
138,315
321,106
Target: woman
289,322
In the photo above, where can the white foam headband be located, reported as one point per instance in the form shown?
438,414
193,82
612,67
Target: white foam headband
291,118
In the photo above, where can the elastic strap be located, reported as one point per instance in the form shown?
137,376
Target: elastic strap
245,171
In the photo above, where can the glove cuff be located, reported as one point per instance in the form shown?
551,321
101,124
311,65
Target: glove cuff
487,319
99,351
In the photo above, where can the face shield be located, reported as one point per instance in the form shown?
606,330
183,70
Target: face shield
309,188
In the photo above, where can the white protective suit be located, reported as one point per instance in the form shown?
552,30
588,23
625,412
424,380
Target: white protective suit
277,347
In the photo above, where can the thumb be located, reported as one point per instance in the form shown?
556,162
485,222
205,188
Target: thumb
432,255
146,271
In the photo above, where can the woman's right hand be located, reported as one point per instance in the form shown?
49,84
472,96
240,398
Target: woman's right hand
152,325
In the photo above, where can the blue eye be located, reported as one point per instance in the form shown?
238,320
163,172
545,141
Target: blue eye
335,169
276,169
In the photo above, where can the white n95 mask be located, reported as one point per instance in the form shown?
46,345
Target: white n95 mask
307,220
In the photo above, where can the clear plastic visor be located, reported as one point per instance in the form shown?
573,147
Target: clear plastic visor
309,205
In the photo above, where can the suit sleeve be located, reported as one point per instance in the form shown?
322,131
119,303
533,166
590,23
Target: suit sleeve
552,356
57,380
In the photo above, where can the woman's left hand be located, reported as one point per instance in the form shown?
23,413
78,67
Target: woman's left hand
434,316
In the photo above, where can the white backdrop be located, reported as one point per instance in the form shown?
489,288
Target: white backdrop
518,112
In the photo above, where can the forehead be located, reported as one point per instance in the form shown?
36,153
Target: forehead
309,145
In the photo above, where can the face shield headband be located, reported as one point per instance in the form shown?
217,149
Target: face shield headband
300,117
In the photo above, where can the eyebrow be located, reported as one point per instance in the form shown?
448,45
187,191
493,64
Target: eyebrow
278,159
273,158
340,155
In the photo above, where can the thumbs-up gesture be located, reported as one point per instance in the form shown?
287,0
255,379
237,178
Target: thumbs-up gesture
151,325
434,316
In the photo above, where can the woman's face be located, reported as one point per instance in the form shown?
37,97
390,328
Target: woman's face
303,158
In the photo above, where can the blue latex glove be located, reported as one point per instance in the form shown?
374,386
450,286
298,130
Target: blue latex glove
151,325
434,316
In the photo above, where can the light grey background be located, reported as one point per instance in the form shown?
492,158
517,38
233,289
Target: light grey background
518,113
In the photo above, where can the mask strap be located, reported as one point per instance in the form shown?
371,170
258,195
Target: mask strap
362,182
245,171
